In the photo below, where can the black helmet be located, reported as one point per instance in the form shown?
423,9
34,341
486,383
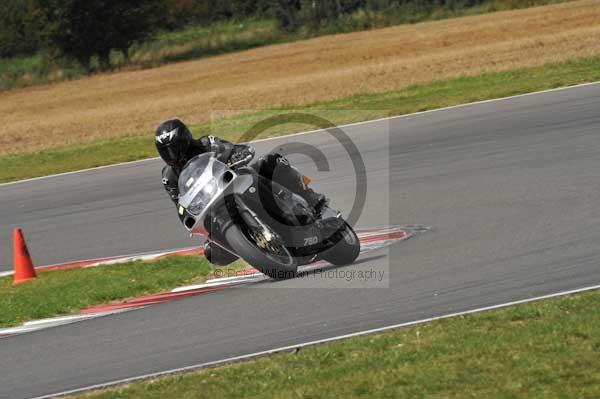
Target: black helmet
173,140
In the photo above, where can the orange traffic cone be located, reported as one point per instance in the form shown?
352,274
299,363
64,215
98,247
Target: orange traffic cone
23,265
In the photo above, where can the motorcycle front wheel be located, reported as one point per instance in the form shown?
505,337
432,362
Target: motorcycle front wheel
278,264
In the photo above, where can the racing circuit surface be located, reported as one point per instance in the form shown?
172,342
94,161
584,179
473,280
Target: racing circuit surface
510,189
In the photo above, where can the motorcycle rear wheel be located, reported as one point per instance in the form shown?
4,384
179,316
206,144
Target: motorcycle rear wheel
346,250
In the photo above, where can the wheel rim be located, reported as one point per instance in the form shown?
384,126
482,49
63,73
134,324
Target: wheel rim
273,248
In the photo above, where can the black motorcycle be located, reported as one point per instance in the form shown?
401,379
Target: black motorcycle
259,220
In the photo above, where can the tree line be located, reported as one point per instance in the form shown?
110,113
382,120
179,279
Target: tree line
81,29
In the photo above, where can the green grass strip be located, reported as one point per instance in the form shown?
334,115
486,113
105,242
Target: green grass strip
345,110
545,349
64,292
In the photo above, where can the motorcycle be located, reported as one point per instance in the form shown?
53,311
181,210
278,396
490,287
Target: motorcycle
270,227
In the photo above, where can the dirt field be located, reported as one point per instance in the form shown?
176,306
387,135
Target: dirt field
133,103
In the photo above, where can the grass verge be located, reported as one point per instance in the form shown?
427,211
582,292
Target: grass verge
345,110
63,292
544,349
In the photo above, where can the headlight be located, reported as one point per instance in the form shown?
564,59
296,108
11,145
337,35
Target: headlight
203,197
210,188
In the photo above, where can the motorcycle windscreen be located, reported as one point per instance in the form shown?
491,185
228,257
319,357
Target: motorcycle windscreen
200,181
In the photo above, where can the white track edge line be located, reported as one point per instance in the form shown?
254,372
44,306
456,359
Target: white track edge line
321,130
310,343
37,325
75,171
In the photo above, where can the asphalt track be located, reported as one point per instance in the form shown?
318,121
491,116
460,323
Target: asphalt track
510,189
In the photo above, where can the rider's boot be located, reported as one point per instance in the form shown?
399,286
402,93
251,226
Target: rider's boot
315,200
217,255
278,168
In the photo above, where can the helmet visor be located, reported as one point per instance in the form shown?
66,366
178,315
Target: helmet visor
172,155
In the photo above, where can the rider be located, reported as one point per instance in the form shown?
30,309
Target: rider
176,146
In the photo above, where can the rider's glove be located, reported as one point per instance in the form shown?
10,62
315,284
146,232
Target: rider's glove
241,156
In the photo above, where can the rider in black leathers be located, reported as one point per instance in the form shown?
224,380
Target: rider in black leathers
176,146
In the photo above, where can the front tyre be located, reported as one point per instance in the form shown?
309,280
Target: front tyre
277,267
347,248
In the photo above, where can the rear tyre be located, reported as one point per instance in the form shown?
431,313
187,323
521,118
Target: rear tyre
275,266
346,250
